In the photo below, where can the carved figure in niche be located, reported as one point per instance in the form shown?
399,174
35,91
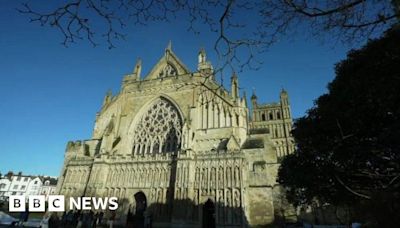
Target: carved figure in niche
237,207
166,177
221,176
178,193
221,206
178,175
197,178
168,70
204,178
184,193
159,196
185,134
153,195
158,177
213,173
186,177
187,204
213,193
195,212
228,207
159,202
196,197
229,176
151,176
237,176
161,177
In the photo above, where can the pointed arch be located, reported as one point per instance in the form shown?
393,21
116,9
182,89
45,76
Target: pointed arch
157,127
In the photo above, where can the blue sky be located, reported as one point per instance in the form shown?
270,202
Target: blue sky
49,94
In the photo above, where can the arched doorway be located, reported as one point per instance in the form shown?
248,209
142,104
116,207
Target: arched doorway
209,214
141,205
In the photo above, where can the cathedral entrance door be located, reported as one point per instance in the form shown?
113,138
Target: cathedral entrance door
141,205
209,214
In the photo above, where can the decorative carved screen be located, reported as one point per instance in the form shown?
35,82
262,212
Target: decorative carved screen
168,70
159,129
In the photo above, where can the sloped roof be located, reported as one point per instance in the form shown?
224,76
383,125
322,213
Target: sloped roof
257,131
169,59
53,180
253,143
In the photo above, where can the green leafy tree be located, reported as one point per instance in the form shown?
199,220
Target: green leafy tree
348,144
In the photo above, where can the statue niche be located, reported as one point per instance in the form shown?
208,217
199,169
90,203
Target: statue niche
159,130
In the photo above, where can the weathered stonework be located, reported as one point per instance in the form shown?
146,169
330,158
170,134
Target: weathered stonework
169,143
276,117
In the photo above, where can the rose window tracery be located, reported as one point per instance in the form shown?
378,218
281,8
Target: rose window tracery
168,70
159,130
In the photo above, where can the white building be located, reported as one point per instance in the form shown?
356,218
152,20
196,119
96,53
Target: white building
49,186
24,185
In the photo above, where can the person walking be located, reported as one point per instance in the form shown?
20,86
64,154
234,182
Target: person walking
111,219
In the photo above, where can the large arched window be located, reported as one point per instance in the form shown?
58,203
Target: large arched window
159,129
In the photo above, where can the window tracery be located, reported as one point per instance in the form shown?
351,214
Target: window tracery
159,129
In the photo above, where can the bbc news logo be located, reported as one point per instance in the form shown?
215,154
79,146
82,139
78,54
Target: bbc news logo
56,203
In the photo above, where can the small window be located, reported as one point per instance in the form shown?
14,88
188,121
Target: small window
23,187
25,179
14,193
263,117
15,187
271,117
2,185
278,115
35,182
18,178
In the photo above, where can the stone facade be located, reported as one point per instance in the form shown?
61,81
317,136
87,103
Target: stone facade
179,147
277,118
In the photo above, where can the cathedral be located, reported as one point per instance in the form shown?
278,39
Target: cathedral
179,149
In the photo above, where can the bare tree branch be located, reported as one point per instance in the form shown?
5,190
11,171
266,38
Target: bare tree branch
350,190
347,20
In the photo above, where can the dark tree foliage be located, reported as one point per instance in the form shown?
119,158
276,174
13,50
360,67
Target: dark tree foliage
348,144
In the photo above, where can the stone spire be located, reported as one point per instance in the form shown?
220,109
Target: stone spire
234,86
107,97
244,98
203,65
254,98
168,50
138,69
202,56
284,97
169,46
